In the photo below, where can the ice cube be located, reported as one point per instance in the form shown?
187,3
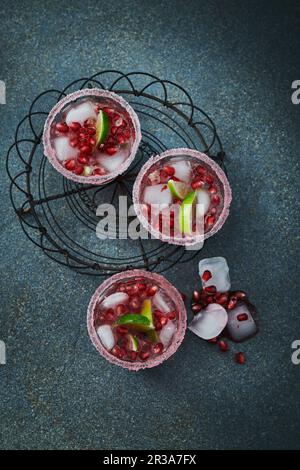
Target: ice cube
111,163
241,330
203,200
63,148
160,303
219,270
81,112
115,299
210,322
167,333
182,170
106,336
157,194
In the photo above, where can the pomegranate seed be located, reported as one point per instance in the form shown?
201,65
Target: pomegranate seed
210,289
158,314
110,315
144,355
62,127
92,141
209,179
213,211
108,111
135,303
114,130
121,288
196,295
200,170
206,276
172,315
121,139
196,308
164,177
82,136
158,348
240,358
222,299
86,149
232,303
151,291
141,286
111,150
82,160
120,309
163,320
169,170
127,134
99,172
242,317
118,352
132,355
215,199
210,220
213,340
132,289
241,295
74,142
197,184
70,164
223,346
78,170
157,325
75,126
122,330
210,299
91,131
212,190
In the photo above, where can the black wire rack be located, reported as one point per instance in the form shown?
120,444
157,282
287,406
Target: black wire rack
59,215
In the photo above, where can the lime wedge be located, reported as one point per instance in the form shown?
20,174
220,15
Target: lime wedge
178,189
186,213
147,312
134,344
102,127
135,321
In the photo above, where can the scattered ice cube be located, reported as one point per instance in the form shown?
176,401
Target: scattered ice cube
81,112
111,163
218,267
157,194
106,336
160,303
182,170
203,200
115,299
63,148
167,333
210,322
241,330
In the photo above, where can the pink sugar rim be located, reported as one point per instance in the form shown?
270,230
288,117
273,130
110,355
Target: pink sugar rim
188,241
178,335
50,152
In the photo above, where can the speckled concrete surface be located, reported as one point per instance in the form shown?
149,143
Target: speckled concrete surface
238,60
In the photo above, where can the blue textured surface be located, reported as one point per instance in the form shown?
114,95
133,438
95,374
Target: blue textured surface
238,60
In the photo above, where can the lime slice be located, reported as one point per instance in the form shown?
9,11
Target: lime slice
102,127
147,312
178,189
134,344
186,213
135,321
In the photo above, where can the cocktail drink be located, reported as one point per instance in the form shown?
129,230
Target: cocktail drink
91,136
136,319
182,196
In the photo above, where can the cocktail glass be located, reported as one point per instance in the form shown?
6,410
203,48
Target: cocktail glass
136,319
91,136
192,185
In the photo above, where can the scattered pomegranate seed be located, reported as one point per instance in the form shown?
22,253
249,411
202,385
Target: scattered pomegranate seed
99,172
62,127
90,122
141,286
215,199
86,149
78,170
223,346
232,303
222,299
164,177
82,160
157,324
242,317
240,358
197,184
120,309
74,142
206,276
163,320
200,170
118,352
92,141
210,299
209,179
210,220
70,164
135,303
196,308
172,315
212,190
213,340
196,295
169,170
75,126
158,348
132,355
122,330
113,130
127,133
120,139
151,291
91,131
108,111
241,295
210,289
110,315
144,355
111,150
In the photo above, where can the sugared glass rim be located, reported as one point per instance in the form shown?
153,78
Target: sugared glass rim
203,158
181,320
50,153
